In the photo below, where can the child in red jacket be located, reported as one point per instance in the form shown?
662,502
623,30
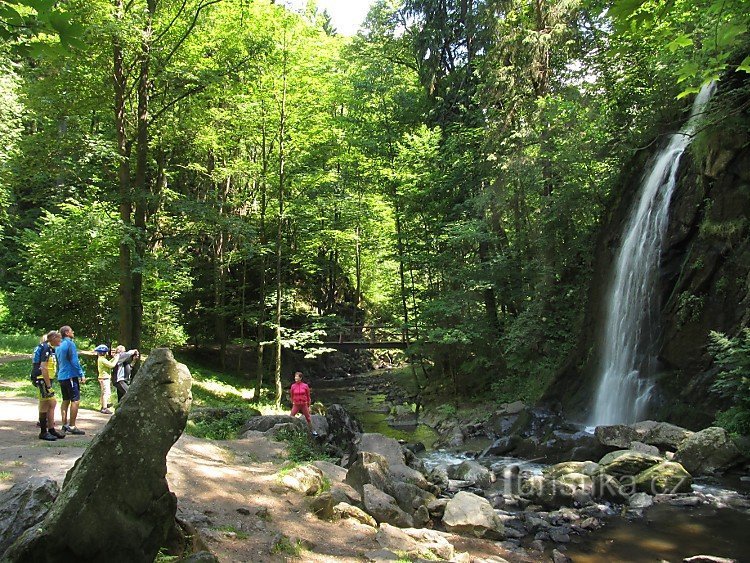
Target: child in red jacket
300,392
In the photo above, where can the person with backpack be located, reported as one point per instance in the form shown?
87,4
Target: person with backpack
42,372
104,367
70,374
123,369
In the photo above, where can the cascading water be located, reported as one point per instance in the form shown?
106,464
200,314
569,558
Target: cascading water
628,354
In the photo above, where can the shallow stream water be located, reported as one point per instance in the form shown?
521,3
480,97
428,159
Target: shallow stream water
666,533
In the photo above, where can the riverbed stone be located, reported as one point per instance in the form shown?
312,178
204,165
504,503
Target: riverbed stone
469,514
410,497
384,508
709,451
661,434
343,428
106,513
666,477
608,488
369,468
558,470
346,510
415,543
305,479
334,473
264,423
640,501
472,472
322,506
24,505
391,450
627,462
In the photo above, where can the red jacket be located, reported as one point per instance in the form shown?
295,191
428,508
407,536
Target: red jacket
300,393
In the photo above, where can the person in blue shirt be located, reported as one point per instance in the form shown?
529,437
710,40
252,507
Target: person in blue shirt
42,372
70,376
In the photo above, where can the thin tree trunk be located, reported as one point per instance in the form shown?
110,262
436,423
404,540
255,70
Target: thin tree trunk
125,302
280,229
141,181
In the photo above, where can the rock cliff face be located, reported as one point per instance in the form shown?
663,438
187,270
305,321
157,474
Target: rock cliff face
705,272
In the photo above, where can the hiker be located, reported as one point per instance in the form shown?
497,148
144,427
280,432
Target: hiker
70,375
122,370
42,372
300,393
104,367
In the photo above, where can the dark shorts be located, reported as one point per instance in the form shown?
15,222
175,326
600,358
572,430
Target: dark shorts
71,389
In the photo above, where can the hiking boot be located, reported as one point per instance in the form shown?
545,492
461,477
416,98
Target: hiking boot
47,436
76,431
65,428
56,434
105,411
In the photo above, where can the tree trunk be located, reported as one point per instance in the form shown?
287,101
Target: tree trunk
125,302
141,180
280,229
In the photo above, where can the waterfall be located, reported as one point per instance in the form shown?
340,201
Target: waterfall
628,350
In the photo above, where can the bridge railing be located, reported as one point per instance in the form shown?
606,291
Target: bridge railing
366,333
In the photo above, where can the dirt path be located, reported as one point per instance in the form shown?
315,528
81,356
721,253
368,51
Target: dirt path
228,489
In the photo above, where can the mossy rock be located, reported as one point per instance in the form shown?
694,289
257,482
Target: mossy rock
666,477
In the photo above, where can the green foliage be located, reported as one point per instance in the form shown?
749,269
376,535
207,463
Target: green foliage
18,343
300,446
5,475
732,355
702,38
224,428
285,546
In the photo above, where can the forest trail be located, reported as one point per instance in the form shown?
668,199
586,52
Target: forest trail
228,489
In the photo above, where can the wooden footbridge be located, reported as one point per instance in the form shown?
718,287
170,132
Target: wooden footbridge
364,337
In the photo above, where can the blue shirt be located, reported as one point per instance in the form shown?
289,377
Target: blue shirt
68,365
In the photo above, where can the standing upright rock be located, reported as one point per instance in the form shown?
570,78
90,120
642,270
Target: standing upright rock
115,504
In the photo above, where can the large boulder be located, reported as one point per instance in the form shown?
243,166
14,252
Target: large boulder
472,515
627,462
115,503
415,543
666,477
345,510
265,423
391,450
410,497
23,506
660,434
384,508
472,472
709,451
585,467
305,479
569,489
343,428
369,469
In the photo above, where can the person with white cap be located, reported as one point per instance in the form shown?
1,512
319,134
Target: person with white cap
104,367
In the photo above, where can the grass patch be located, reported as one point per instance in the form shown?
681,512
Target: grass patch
18,343
5,475
239,534
300,446
222,428
19,385
63,443
287,547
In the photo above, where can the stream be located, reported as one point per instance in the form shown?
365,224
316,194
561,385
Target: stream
666,533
